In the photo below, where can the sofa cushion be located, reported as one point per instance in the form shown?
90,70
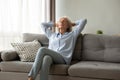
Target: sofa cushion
8,55
24,67
95,69
101,48
27,37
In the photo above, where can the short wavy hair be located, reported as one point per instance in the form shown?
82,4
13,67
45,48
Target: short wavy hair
69,29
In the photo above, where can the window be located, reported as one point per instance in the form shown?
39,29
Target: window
17,17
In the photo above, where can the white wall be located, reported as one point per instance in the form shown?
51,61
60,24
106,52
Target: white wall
101,14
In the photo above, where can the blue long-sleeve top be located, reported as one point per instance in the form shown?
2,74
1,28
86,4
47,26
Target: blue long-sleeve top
63,44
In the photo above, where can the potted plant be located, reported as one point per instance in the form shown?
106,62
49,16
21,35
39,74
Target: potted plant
99,32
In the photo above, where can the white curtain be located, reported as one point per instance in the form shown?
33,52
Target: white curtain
17,17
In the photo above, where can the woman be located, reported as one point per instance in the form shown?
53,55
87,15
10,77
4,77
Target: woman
61,46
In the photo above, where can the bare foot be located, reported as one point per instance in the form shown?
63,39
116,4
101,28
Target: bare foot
30,78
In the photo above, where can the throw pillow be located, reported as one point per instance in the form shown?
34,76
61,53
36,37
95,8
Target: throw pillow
27,50
9,55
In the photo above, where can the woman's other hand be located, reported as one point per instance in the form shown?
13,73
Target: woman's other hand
73,24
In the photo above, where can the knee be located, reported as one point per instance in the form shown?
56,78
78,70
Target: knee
42,49
47,59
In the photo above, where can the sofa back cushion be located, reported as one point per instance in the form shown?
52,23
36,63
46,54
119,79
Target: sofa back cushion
101,48
28,37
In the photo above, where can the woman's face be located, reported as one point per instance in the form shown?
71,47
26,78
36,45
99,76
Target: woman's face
62,23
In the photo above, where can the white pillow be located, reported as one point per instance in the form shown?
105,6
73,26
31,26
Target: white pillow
27,50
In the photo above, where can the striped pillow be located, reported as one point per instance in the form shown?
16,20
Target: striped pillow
27,50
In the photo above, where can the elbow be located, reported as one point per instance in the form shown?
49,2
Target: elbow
85,21
81,21
43,23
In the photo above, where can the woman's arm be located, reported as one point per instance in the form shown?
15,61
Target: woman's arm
80,24
46,28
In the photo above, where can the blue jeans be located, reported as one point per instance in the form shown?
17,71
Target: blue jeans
44,58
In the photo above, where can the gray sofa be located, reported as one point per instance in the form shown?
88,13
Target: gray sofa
96,57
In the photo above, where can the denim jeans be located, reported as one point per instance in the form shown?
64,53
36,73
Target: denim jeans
44,58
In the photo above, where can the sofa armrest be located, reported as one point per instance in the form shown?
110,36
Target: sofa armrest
9,55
